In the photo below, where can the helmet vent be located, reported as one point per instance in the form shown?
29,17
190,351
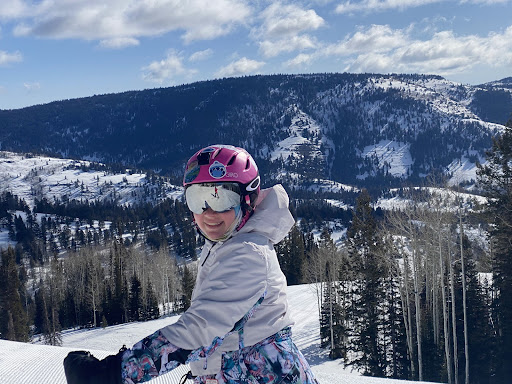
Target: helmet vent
216,153
248,164
203,158
232,159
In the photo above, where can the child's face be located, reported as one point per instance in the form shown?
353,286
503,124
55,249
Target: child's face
214,224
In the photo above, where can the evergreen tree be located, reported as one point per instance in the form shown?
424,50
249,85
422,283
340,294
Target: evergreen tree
135,306
394,332
479,328
187,286
364,249
496,178
118,290
291,256
13,316
332,323
151,310
333,278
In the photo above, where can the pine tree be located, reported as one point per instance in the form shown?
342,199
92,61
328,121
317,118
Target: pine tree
151,310
13,316
118,290
291,256
326,272
364,249
135,306
479,329
496,178
332,323
187,285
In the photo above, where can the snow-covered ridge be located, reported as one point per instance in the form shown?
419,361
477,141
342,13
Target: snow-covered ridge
34,177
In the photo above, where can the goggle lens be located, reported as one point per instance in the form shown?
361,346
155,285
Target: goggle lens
220,197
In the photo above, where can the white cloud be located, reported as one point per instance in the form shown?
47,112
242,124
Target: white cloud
281,20
380,5
201,55
240,67
443,53
370,6
103,20
375,38
283,29
11,9
118,43
485,2
299,61
380,48
294,43
166,69
7,58
32,86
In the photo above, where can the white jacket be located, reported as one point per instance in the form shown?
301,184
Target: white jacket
232,276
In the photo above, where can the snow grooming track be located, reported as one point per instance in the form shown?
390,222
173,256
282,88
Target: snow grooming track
23,363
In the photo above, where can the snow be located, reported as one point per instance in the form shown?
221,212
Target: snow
322,185
303,130
449,196
31,177
391,155
463,170
23,363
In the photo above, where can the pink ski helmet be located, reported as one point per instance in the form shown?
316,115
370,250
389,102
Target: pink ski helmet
225,164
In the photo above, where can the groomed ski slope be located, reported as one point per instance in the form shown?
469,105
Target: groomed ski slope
35,363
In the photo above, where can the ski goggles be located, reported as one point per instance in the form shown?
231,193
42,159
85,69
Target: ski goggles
221,197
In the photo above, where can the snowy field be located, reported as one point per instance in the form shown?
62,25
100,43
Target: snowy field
40,364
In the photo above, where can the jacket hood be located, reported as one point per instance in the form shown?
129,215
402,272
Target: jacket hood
271,217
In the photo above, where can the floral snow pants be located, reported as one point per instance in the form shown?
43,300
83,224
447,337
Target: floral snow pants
275,360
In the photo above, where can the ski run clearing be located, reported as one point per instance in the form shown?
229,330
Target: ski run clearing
36,363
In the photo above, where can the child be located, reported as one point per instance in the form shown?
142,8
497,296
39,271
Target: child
237,329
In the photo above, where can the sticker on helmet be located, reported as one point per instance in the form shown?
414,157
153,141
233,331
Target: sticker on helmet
217,170
191,172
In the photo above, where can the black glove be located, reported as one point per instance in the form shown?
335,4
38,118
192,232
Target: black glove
83,368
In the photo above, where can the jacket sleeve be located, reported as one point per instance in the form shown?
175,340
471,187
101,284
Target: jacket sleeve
150,357
233,282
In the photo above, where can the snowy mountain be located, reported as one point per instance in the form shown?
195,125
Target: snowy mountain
364,129
36,363
36,177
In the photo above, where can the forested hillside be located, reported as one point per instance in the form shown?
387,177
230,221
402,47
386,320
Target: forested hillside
332,120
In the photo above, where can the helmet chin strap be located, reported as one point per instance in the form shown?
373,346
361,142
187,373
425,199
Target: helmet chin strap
248,211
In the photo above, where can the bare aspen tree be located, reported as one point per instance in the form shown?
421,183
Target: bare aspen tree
464,290
417,302
401,273
328,252
440,224
405,292
165,275
454,319
315,274
86,268
405,224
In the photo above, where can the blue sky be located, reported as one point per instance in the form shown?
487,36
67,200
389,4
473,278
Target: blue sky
61,49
